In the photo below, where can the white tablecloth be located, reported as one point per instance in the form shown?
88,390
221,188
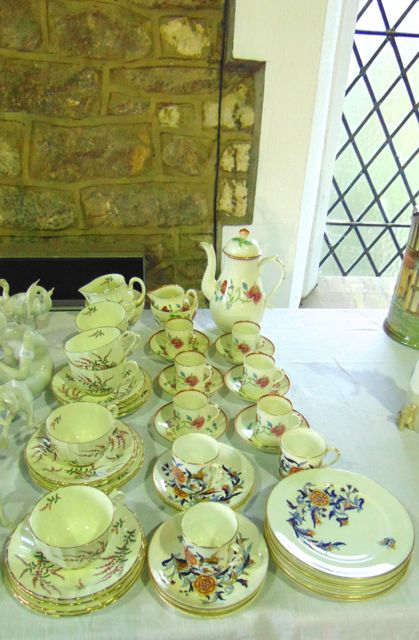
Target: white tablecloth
349,380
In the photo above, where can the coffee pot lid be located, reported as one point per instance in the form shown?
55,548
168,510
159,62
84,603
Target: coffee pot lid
242,246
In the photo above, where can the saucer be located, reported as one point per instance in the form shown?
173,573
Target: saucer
48,588
245,423
202,594
125,454
166,380
158,344
133,391
232,488
165,424
233,380
225,350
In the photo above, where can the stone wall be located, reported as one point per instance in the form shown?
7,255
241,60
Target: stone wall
111,137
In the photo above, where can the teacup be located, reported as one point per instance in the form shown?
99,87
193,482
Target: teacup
245,337
179,335
71,525
81,431
189,311
100,348
172,297
260,373
209,534
104,314
113,287
192,372
194,462
102,381
274,415
193,410
302,449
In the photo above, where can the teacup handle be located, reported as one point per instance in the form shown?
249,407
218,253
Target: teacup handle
278,376
213,411
235,554
191,293
208,371
131,341
131,283
282,276
113,409
117,497
335,459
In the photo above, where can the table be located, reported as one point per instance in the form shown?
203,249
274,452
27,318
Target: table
349,379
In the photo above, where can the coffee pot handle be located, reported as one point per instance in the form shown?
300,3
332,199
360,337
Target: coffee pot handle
282,276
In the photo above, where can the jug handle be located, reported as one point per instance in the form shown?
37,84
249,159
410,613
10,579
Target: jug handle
278,284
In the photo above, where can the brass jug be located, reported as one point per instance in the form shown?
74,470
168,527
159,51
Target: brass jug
402,322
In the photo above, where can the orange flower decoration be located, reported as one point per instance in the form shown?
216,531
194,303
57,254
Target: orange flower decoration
190,558
319,498
205,584
178,474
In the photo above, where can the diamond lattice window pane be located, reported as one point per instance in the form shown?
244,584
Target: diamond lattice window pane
411,20
359,197
370,138
406,140
383,71
408,50
396,106
358,104
382,169
346,168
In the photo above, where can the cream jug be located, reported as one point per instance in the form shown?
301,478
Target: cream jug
238,293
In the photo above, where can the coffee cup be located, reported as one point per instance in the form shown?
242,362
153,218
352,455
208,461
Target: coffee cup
260,373
192,410
209,535
172,298
104,314
245,338
113,287
194,462
179,335
103,381
274,415
71,525
100,348
192,372
81,431
303,449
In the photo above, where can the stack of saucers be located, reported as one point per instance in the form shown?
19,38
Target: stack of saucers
98,370
49,587
338,534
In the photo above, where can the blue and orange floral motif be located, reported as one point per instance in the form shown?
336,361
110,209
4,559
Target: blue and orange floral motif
209,588
226,292
388,543
189,489
318,505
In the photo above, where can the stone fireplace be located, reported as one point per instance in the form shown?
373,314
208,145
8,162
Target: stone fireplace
126,129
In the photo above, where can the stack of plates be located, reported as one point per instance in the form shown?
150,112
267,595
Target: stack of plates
338,533
47,588
201,594
120,463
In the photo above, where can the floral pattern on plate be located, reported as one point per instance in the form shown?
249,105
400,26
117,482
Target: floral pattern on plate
246,427
181,586
44,462
168,426
158,344
233,485
35,574
234,379
167,381
223,346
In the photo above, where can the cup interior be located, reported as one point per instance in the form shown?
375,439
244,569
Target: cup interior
195,448
304,443
190,359
274,405
104,283
190,400
78,422
100,314
209,525
179,324
259,361
71,516
245,328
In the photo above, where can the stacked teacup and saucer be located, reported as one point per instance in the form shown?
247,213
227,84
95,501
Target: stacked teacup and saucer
84,443
98,370
77,551
112,287
208,561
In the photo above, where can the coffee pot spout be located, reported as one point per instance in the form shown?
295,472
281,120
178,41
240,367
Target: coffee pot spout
209,280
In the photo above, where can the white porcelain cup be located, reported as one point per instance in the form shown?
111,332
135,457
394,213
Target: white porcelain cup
192,370
245,338
104,314
172,298
274,415
103,381
100,348
193,411
112,286
195,462
179,335
71,525
81,431
210,532
302,449
260,373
